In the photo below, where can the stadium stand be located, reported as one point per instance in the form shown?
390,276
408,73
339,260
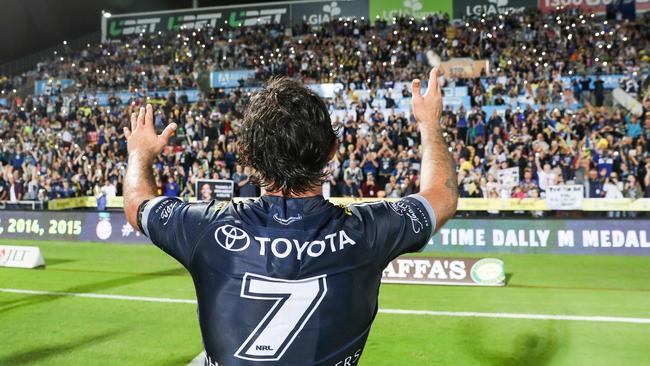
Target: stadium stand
543,108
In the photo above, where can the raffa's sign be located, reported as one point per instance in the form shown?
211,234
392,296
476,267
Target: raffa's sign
445,271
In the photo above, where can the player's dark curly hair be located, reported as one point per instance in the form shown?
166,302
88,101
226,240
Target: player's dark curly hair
286,136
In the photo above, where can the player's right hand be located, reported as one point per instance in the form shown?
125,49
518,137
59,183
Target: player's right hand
142,137
427,108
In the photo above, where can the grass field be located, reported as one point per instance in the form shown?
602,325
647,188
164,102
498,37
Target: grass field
75,331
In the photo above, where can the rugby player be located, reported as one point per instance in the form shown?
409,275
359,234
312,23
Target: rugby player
289,278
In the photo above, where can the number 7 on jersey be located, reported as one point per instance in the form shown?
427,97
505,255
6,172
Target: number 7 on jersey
295,302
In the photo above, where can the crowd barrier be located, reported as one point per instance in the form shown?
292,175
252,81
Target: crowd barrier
464,204
485,235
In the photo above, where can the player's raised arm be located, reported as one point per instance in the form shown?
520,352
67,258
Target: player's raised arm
438,183
143,145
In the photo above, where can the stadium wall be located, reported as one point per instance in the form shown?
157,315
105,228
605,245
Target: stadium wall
558,236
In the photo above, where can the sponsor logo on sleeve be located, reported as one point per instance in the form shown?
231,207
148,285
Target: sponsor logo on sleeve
166,213
166,209
403,208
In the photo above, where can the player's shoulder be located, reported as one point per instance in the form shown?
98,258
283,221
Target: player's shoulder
384,211
165,208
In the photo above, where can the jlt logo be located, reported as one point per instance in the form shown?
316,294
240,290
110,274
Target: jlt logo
330,11
12,255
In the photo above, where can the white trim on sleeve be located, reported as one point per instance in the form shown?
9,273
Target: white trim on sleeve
144,219
427,206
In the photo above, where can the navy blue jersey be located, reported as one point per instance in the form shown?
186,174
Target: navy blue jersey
290,280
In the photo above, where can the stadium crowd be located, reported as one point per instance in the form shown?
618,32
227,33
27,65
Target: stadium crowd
70,146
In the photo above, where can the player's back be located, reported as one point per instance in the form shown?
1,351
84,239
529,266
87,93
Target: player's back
291,280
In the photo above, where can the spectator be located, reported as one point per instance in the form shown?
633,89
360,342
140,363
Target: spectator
350,189
393,189
239,178
599,92
353,173
528,184
613,189
246,187
647,179
633,127
545,176
172,189
594,185
585,87
369,188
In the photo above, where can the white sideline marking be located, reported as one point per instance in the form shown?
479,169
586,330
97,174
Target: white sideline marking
605,319
97,296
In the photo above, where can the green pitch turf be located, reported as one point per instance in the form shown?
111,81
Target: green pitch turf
73,331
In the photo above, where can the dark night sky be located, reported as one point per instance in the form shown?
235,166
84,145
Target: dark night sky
28,26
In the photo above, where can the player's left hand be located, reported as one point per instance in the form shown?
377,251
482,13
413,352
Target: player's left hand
427,108
142,137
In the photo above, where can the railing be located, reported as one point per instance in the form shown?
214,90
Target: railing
23,205
464,204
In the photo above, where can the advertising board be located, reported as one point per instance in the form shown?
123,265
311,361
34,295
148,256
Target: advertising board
214,189
592,6
311,12
119,25
445,271
387,9
485,235
318,12
469,8
558,236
